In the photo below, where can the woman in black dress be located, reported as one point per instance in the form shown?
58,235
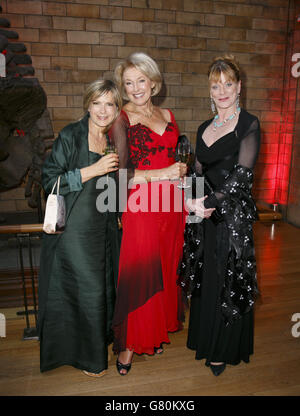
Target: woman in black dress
218,268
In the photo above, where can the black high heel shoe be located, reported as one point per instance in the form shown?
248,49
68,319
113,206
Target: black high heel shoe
121,366
217,369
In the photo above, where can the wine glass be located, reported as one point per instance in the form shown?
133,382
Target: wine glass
184,152
110,148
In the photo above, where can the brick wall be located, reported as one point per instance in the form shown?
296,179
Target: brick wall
73,42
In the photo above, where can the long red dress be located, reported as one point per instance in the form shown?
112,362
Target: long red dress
149,303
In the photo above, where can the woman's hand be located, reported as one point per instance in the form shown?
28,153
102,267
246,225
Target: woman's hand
106,164
175,171
197,206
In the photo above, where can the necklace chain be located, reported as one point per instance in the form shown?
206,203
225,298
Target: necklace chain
98,143
148,115
216,125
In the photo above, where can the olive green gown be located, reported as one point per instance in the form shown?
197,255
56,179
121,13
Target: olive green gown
77,284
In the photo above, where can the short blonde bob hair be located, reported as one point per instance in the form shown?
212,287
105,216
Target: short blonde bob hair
97,89
224,64
143,63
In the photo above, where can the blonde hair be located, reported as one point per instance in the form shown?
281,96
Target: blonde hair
224,64
143,63
97,89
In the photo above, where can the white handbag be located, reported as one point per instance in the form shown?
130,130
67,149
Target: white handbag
55,214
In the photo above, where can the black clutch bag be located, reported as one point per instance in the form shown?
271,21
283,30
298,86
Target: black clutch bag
216,216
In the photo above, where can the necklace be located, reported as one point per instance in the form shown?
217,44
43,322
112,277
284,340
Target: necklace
97,142
226,119
148,114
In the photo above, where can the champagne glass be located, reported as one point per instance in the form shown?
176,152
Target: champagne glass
184,151
110,148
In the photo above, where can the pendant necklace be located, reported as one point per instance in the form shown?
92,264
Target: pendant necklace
149,115
145,113
216,125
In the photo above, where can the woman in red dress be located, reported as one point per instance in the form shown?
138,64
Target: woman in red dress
148,303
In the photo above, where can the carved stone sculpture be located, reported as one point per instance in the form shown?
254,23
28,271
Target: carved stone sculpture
25,125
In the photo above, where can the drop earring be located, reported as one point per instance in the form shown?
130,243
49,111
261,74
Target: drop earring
238,102
212,105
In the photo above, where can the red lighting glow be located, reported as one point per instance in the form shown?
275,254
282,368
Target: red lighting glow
287,128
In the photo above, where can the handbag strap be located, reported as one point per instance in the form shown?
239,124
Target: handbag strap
58,184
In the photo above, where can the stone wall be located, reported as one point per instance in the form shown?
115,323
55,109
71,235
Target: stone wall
73,42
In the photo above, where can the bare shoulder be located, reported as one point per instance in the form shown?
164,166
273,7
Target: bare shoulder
165,114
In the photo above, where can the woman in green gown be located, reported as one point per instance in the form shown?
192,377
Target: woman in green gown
78,268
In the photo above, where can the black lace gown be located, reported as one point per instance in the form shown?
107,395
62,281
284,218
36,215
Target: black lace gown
218,265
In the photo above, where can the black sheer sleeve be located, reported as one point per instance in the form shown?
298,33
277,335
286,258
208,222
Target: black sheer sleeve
197,167
249,148
118,134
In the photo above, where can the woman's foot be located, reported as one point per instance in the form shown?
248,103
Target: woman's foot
217,368
123,362
101,374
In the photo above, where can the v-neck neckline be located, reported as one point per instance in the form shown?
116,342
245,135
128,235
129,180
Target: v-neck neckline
217,141
222,137
147,127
